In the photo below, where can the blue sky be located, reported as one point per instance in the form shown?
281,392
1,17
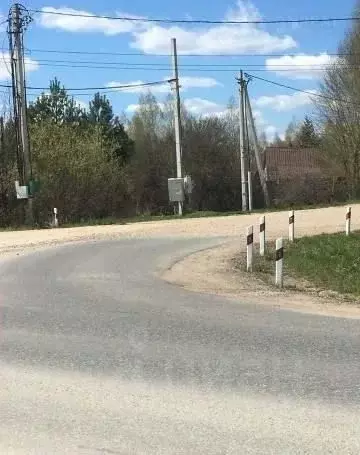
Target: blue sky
205,90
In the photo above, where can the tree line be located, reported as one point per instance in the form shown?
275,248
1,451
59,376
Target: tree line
91,164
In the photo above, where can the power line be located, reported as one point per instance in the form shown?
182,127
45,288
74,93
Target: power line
213,67
184,65
199,21
194,69
110,89
251,76
140,54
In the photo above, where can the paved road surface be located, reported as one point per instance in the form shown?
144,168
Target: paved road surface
100,356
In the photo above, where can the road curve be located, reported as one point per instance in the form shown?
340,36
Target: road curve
99,356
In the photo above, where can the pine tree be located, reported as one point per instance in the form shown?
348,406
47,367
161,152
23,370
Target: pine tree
307,136
114,139
56,106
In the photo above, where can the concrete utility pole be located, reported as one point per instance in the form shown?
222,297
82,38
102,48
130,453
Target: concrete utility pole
259,164
244,197
1,134
177,117
17,55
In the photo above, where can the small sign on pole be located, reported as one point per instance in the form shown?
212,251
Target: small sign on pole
22,191
291,226
249,248
279,263
262,238
348,221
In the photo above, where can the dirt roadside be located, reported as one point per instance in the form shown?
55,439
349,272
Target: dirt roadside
213,272
209,271
308,222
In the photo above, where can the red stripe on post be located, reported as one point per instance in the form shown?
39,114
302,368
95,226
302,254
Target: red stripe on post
262,227
348,215
292,219
250,239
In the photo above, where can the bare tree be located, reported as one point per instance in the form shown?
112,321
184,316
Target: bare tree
338,110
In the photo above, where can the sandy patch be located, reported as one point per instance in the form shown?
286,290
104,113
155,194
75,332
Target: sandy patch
213,272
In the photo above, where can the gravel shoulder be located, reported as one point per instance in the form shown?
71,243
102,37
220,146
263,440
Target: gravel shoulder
308,222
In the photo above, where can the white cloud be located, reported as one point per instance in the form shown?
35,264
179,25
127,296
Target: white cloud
132,108
85,24
5,69
186,82
300,66
259,118
82,104
263,126
155,38
196,106
216,38
203,107
285,102
271,132
198,82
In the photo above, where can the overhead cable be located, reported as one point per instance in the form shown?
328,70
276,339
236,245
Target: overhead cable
197,21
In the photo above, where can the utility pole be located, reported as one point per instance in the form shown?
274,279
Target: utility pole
177,117
1,134
18,22
244,197
259,164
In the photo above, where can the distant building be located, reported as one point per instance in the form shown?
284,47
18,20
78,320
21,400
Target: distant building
302,175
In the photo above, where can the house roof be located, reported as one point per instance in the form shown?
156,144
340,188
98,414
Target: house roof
290,162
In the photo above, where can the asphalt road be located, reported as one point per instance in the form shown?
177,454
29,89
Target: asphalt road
100,356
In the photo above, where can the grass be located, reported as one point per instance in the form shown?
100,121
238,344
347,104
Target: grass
147,218
328,261
331,261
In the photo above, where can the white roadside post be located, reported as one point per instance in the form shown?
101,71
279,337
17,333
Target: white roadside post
279,263
249,248
56,220
262,236
348,221
291,226
250,191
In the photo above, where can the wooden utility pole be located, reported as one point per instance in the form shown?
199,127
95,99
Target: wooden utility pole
17,23
177,117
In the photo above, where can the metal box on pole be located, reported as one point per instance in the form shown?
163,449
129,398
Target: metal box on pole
176,189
